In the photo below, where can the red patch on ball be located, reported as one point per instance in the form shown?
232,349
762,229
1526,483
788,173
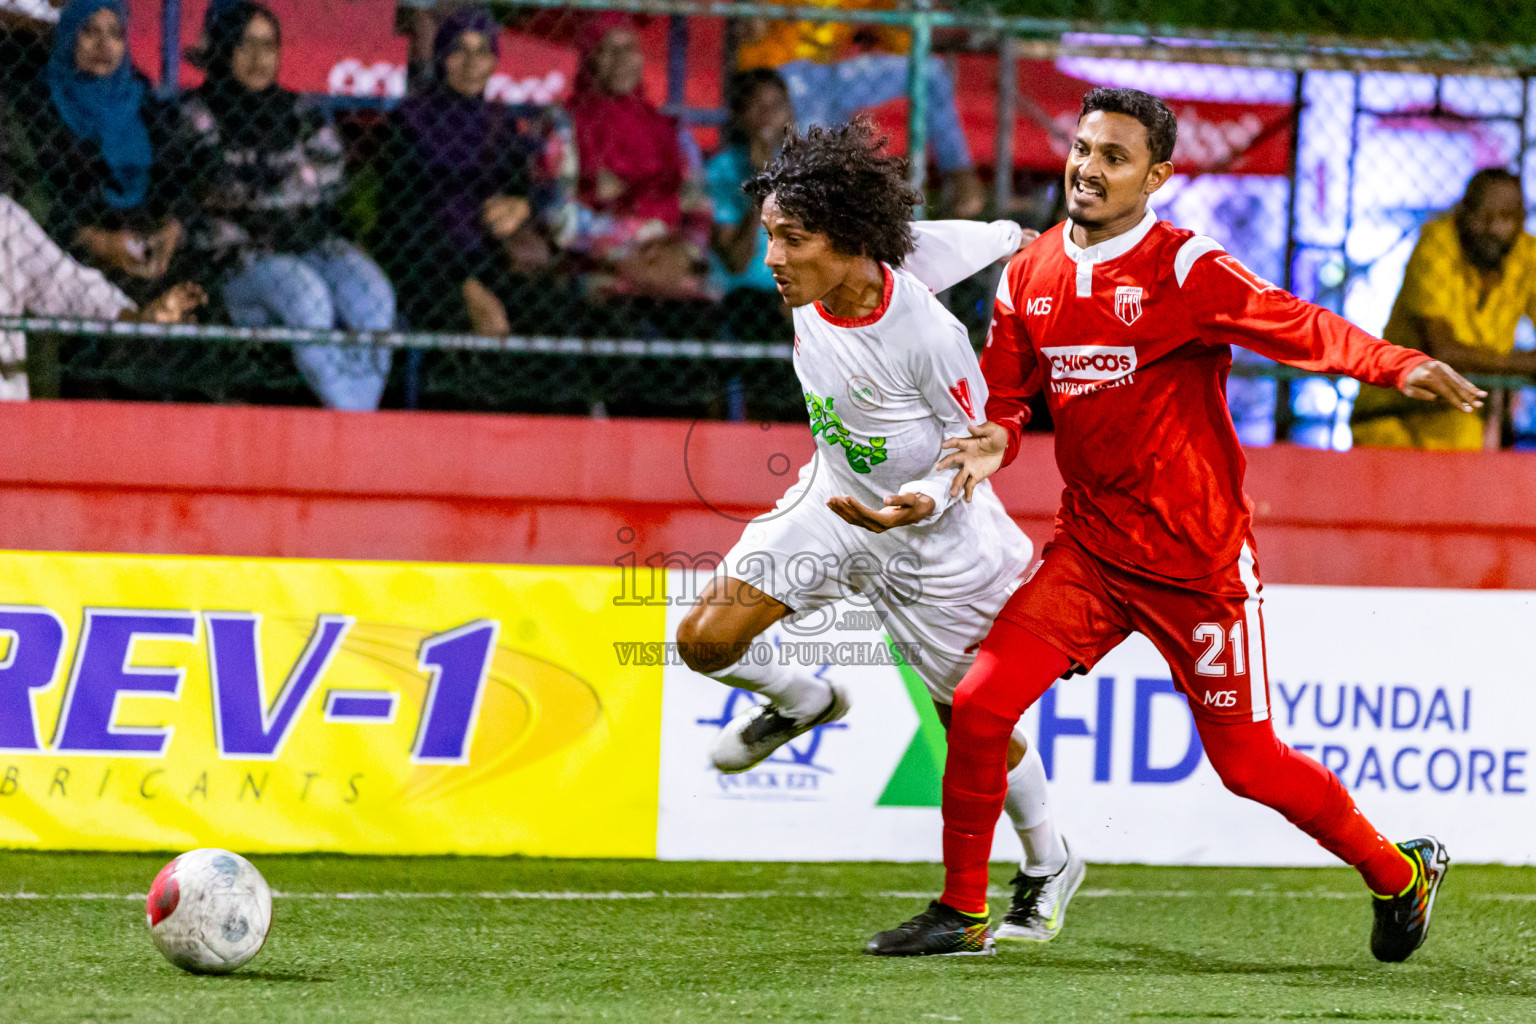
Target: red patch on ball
164,894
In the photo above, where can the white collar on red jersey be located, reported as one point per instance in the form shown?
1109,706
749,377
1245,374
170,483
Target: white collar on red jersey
1110,248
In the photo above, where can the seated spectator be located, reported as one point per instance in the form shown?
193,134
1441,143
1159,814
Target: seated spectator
26,33
38,277
97,129
1471,277
26,37
834,70
646,228
474,202
265,172
760,114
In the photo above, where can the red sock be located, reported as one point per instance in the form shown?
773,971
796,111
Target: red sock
1013,668
1253,763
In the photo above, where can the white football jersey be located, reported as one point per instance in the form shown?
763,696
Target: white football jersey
884,391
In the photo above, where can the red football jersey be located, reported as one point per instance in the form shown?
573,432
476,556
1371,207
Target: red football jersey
1130,340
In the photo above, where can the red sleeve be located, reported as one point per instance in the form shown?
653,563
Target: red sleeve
1228,300
1009,365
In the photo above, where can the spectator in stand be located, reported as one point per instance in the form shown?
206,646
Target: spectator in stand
760,115
26,34
477,199
97,128
645,224
1471,277
26,37
265,170
834,70
38,277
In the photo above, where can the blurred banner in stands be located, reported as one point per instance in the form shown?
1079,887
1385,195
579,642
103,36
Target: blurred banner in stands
536,207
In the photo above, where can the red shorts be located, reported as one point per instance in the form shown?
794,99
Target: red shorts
1209,630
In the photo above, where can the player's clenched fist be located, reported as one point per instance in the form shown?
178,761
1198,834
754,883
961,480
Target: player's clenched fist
1433,379
977,457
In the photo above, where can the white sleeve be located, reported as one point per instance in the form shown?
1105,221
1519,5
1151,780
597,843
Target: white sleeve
47,279
944,367
949,251
37,10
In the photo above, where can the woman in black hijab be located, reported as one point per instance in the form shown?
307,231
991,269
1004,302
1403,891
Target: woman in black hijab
266,176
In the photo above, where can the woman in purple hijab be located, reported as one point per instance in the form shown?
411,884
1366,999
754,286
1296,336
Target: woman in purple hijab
475,207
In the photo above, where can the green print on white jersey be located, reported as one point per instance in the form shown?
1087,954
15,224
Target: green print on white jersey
827,425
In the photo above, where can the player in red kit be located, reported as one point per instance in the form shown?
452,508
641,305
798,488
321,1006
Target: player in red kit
1125,323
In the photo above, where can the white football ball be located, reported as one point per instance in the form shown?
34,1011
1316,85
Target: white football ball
209,911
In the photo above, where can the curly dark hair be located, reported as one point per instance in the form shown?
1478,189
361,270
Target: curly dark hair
1162,127
840,183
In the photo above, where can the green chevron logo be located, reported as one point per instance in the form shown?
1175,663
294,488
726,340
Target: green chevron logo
919,775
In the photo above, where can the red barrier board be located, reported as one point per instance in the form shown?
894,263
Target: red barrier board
175,479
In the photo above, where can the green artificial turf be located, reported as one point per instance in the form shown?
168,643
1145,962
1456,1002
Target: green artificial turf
735,942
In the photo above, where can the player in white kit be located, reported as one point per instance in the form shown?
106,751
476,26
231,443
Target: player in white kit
888,374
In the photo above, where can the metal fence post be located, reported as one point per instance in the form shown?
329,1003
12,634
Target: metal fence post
917,95
677,62
1285,415
1007,110
170,48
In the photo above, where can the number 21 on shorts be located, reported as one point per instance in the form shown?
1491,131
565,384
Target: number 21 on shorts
1215,638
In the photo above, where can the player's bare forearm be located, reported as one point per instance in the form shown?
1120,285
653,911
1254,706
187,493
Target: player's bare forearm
975,458
174,306
900,510
1433,379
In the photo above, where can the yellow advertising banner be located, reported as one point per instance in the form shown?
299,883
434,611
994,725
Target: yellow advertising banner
154,702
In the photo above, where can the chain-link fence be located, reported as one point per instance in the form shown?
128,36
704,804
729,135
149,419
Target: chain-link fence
536,207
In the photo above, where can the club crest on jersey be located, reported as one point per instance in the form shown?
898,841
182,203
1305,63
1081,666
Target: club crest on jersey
863,393
960,391
1128,304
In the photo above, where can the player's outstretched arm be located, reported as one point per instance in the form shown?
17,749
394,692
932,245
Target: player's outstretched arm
949,251
1228,302
1433,379
976,457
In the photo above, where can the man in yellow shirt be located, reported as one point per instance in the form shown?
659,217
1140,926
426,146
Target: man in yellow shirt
1471,277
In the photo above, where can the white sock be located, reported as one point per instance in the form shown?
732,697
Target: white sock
1029,809
791,689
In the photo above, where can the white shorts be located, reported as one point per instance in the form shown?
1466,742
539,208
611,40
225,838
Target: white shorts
938,586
